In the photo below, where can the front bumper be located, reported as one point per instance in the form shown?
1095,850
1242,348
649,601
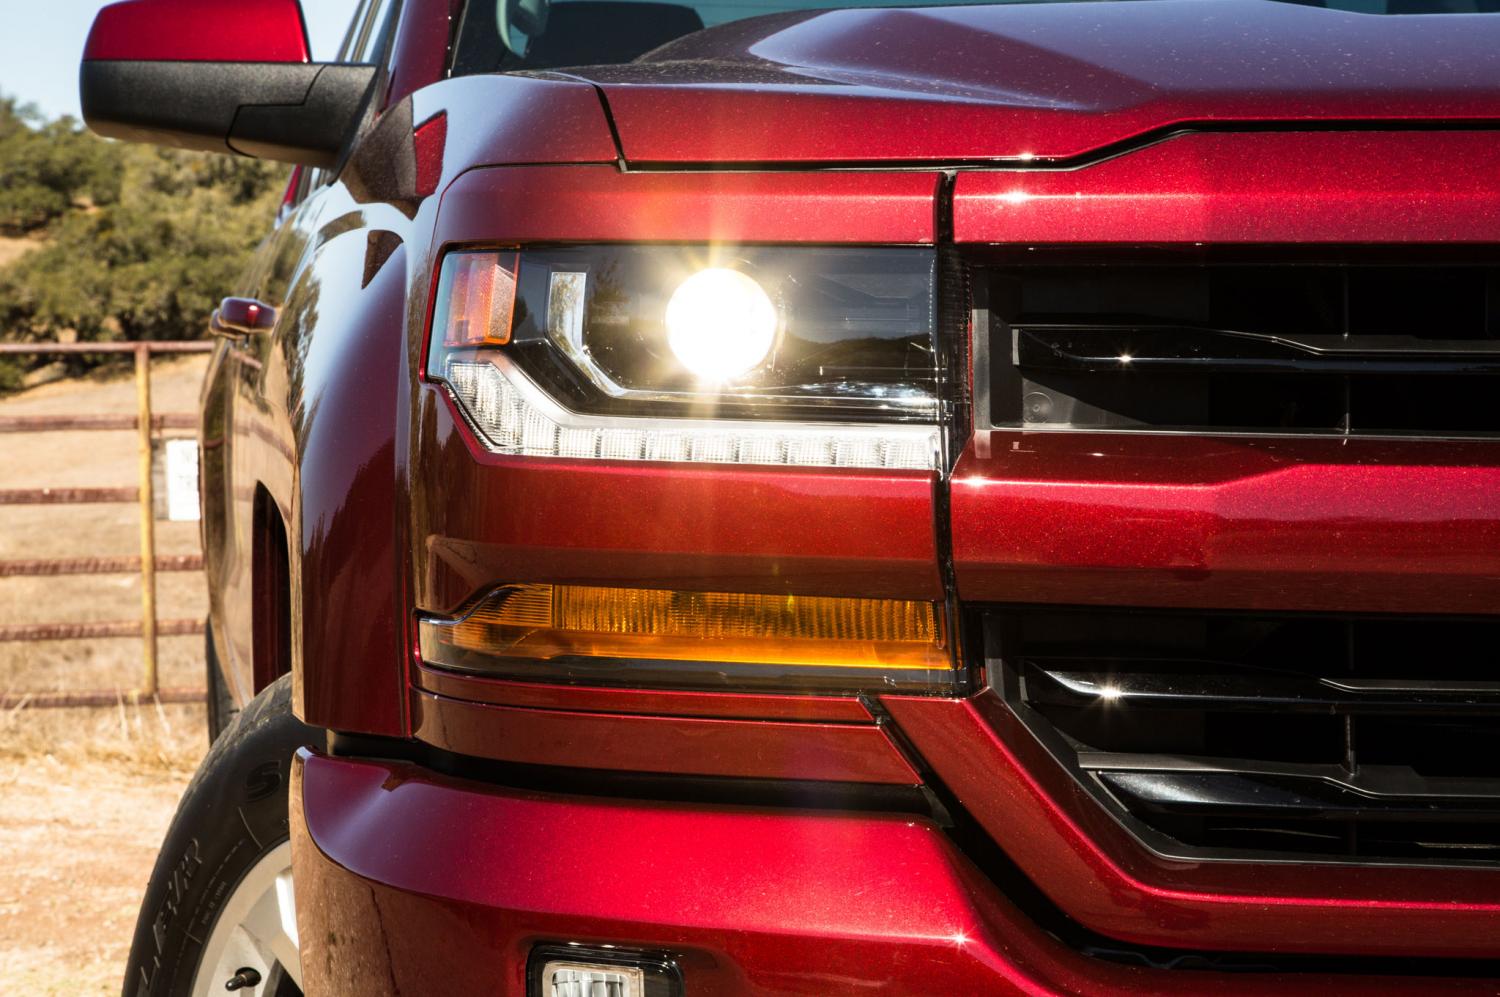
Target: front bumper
415,883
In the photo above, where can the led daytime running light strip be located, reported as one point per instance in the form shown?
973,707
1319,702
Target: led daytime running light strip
514,416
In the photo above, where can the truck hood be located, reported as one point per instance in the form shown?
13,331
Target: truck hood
1038,82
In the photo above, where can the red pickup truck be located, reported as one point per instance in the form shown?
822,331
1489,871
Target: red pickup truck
710,498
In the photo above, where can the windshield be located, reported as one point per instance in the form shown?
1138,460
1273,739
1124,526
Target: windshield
511,35
609,32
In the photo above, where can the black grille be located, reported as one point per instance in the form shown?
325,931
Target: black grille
1357,738
1346,348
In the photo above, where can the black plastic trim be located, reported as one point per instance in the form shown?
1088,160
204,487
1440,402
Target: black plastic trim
291,112
1143,788
1097,348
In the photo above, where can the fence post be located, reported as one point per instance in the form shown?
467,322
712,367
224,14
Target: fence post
148,520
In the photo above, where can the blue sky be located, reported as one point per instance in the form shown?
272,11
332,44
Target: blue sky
41,43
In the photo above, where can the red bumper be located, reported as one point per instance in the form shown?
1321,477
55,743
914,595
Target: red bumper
412,883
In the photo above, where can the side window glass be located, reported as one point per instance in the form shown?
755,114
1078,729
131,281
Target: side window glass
366,41
357,24
377,29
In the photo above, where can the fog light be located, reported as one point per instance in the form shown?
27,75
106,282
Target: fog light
574,970
581,979
720,324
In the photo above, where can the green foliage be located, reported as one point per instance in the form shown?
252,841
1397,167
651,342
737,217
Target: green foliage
134,242
45,167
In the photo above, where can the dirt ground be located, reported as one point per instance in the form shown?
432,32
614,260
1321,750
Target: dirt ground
85,795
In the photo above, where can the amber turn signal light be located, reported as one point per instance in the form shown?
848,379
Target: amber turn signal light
631,636
476,298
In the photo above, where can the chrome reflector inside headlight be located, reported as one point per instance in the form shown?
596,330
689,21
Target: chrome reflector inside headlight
817,357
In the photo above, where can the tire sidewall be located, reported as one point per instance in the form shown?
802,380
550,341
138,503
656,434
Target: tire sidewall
233,813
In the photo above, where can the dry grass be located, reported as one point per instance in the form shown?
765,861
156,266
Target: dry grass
80,839
86,794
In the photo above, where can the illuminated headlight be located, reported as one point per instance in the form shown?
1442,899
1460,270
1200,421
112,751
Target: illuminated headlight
826,357
720,324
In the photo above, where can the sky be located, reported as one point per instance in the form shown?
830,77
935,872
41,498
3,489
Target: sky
41,43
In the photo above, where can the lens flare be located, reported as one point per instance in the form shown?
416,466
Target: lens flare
720,324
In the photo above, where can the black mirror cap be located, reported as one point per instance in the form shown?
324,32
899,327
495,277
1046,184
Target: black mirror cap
292,112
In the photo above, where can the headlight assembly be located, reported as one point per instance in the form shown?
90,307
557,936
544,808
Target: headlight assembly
821,357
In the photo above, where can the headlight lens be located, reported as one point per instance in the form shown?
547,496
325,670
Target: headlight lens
768,355
721,324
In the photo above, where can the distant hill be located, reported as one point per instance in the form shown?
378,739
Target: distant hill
105,241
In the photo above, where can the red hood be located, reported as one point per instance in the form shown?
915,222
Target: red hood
1037,81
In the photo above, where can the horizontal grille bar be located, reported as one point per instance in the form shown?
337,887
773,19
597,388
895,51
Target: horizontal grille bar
1213,786
1215,686
1367,738
1187,350
1145,344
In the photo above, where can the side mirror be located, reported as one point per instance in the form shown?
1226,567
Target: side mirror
218,77
236,318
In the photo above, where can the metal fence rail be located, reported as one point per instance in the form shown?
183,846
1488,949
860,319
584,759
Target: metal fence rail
148,627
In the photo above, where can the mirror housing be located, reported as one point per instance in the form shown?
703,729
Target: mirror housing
236,318
219,77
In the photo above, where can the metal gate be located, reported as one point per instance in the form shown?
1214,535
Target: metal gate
148,627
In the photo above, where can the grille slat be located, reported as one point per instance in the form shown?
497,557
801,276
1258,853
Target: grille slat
1118,348
1227,787
1217,686
1369,738
1298,348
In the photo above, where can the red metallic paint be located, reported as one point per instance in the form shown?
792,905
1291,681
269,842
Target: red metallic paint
820,752
1035,82
601,204
345,388
1104,879
1342,187
515,120
419,51
661,702
195,31
439,886
1293,524
658,525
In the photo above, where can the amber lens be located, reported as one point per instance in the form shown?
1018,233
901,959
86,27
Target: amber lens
898,638
476,298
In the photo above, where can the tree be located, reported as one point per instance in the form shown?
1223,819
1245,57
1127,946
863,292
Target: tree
136,242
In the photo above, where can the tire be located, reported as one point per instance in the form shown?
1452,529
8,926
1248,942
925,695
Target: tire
229,834
222,708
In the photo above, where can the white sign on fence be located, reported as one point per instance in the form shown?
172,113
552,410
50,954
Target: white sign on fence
176,479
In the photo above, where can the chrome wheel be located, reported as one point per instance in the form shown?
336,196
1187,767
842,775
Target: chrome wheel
253,947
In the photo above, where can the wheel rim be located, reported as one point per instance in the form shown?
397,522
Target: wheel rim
256,931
